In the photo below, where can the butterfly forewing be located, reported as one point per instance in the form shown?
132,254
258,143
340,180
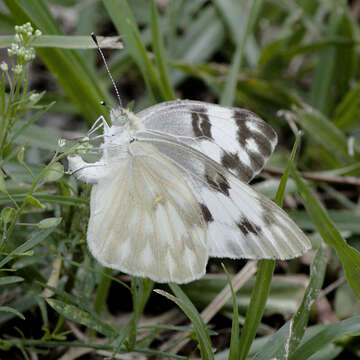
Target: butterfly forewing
233,137
145,220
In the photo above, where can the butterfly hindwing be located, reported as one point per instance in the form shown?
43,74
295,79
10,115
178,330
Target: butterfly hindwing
235,138
241,223
145,220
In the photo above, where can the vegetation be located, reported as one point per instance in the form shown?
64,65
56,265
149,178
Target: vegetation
293,62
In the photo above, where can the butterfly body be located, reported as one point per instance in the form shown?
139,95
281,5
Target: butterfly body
170,190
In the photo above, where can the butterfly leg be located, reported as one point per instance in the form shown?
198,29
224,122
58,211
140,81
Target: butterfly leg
89,173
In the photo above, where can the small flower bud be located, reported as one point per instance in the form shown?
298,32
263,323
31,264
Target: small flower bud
4,66
61,142
17,38
17,69
34,97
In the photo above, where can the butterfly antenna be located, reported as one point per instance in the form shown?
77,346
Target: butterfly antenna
93,36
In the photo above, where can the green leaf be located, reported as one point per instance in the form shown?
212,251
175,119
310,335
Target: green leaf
82,317
6,280
36,238
49,223
54,172
12,311
35,202
7,214
349,257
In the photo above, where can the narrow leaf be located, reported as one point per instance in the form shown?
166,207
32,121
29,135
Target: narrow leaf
12,311
82,317
349,257
160,54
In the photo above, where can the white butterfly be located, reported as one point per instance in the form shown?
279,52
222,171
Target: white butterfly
170,190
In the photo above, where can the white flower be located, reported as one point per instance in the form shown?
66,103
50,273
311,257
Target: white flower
34,97
17,69
4,66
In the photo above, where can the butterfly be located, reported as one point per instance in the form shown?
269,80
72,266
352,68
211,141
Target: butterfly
170,190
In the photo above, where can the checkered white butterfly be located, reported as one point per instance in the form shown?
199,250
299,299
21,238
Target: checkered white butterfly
171,189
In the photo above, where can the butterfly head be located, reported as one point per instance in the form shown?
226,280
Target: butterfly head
119,116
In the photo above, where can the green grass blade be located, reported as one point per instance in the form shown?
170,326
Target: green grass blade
299,322
274,345
347,112
328,335
190,311
282,186
102,290
125,24
326,133
54,199
160,54
228,95
256,307
141,289
349,257
324,79
68,42
284,342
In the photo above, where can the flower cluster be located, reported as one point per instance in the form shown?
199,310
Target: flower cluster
21,47
18,98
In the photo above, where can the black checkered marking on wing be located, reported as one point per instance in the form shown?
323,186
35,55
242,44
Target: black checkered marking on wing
232,162
263,138
200,122
206,213
217,181
246,227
